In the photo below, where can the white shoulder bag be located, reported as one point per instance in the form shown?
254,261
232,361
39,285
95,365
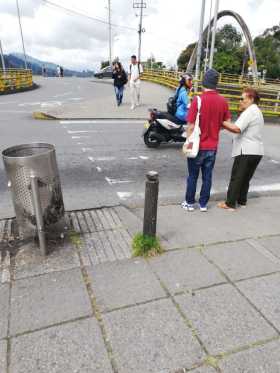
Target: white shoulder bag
191,145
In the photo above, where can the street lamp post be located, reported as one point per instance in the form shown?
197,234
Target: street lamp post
214,34
199,46
20,27
2,58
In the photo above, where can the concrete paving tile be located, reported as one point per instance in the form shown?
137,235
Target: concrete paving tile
123,283
72,347
240,260
185,270
224,320
151,338
263,359
4,309
272,244
3,356
41,301
29,262
264,293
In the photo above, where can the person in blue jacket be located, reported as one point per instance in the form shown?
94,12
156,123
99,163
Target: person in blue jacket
182,101
179,115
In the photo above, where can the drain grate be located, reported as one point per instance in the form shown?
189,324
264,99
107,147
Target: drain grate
103,236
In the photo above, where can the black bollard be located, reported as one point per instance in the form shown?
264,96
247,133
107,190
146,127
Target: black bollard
151,201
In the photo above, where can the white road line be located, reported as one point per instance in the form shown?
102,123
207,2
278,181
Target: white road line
63,94
79,137
99,169
143,157
91,159
116,181
124,195
94,121
132,158
83,131
266,188
30,104
274,161
80,143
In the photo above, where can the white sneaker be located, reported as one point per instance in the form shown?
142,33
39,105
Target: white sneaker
203,209
132,107
187,206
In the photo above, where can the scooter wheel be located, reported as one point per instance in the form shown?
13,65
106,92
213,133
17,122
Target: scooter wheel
151,142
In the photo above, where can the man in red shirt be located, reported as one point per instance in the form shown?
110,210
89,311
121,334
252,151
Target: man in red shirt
214,110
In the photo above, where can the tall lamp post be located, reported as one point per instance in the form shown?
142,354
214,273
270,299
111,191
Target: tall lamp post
2,58
199,46
214,34
20,27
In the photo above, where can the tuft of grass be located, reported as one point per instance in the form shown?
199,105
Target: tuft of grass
143,245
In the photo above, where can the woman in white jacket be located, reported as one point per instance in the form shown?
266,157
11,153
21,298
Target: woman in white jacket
247,149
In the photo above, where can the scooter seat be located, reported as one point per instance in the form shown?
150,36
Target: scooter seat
168,124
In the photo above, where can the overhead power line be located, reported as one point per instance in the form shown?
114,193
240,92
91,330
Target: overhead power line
80,14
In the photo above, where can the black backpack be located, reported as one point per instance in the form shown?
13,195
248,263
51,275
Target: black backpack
172,103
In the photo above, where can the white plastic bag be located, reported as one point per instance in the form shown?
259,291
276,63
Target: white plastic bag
191,145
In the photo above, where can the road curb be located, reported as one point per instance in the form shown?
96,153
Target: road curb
44,116
217,196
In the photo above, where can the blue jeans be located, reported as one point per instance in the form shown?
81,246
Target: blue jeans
205,162
119,93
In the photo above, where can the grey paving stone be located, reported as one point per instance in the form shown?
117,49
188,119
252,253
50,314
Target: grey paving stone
272,244
123,283
224,319
263,359
73,347
240,260
264,292
29,262
3,356
4,309
45,300
151,338
185,270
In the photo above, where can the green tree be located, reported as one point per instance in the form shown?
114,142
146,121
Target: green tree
267,48
185,56
105,64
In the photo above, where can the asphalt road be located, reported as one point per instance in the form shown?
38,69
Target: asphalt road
103,163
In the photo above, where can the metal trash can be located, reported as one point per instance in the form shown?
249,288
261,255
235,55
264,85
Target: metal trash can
35,185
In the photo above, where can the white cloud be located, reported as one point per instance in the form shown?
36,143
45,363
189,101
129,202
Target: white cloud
77,42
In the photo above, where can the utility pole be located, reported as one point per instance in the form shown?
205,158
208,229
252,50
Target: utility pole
110,32
214,34
23,47
140,5
2,58
199,45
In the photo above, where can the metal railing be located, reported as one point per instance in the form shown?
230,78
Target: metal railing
230,86
15,79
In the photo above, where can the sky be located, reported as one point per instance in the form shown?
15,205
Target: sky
76,42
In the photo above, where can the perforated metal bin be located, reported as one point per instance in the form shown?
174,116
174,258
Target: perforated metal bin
22,163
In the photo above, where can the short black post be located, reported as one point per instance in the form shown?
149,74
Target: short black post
151,202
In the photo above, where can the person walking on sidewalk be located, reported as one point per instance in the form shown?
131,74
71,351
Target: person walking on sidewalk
214,110
120,80
247,149
135,71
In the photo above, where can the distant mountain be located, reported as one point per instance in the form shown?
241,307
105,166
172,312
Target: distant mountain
16,61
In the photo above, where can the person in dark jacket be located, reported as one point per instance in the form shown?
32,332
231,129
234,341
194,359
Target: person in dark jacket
120,79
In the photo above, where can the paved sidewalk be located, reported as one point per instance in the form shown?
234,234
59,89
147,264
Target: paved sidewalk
209,304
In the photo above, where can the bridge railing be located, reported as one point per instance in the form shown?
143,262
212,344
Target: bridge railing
230,86
15,79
